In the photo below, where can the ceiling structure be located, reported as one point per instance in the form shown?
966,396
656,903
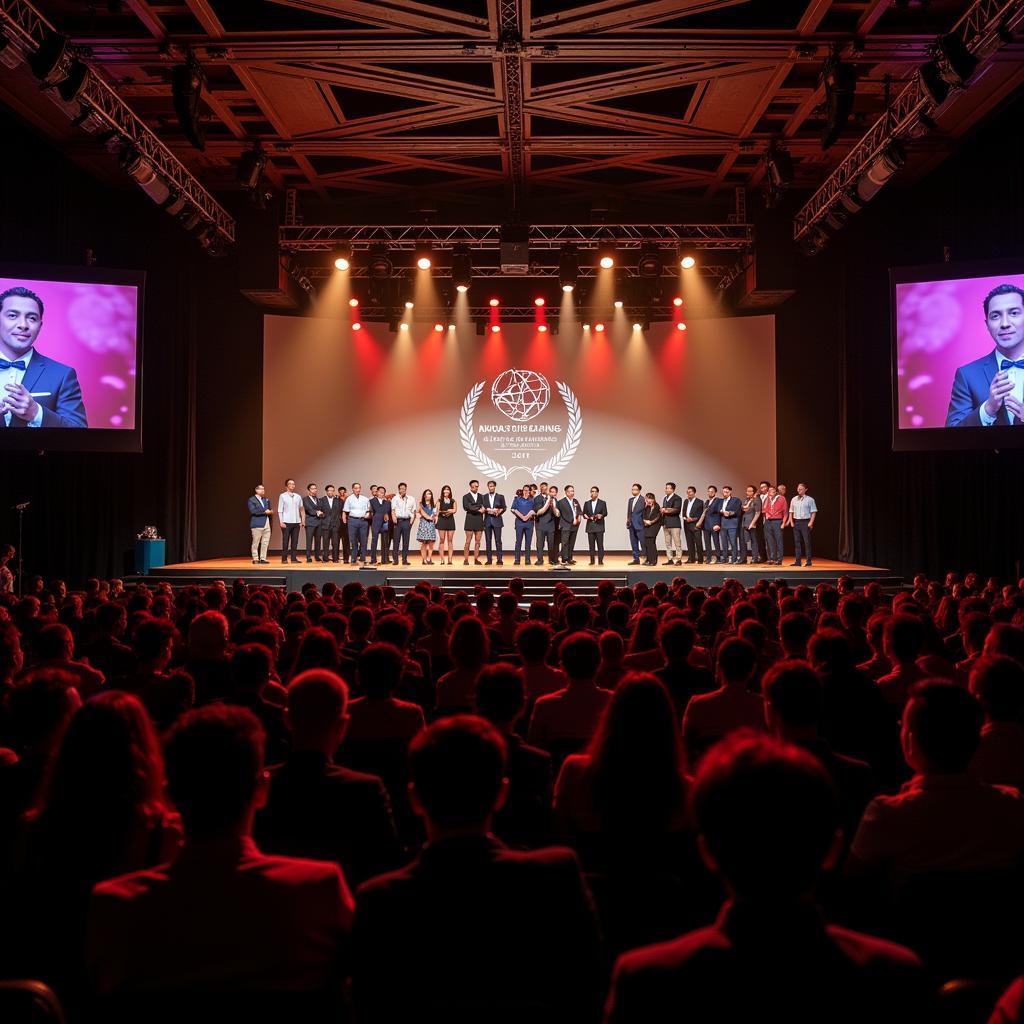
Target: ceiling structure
599,110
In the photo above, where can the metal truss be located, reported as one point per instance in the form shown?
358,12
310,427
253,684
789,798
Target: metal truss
543,237
983,28
511,314
510,43
98,98
539,270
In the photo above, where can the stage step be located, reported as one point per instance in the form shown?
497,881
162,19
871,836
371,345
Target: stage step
179,580
582,583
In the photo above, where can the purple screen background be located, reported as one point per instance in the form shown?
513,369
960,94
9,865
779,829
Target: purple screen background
93,328
940,325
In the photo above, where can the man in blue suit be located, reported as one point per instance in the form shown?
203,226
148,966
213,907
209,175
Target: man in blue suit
711,524
380,516
494,509
635,521
259,524
990,390
731,509
37,391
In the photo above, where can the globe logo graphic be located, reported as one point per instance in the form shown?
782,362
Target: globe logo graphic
520,394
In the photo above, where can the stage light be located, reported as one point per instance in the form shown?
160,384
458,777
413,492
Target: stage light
651,262
424,256
379,264
882,168
356,325
951,67
74,85
778,166
51,63
677,301
353,302
251,165
175,204
680,326
599,328
187,81
618,303
451,327
539,301
403,326
495,328
408,304
462,268
637,327
586,327
568,267
840,82
342,257
606,254
542,328
493,302
137,167
687,260
438,327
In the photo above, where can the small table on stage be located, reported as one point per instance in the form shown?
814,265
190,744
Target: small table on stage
149,554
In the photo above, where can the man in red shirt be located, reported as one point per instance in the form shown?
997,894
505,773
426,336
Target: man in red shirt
775,511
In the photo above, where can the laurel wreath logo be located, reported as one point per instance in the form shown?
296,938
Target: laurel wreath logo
546,470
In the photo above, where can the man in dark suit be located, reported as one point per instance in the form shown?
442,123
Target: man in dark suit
259,524
671,508
732,509
313,514
37,390
693,509
569,518
595,512
990,390
544,506
330,525
380,519
316,808
711,524
473,506
494,510
481,932
767,819
635,521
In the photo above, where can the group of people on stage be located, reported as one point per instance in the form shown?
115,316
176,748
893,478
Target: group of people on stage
724,529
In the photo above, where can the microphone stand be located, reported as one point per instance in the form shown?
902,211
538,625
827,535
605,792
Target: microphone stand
20,509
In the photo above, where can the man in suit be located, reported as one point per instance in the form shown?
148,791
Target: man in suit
768,821
990,390
481,932
570,515
635,521
380,517
313,514
355,519
494,509
732,509
671,508
693,509
473,506
544,506
330,525
747,536
259,524
595,512
37,390
711,524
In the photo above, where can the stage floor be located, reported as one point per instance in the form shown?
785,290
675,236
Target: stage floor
616,566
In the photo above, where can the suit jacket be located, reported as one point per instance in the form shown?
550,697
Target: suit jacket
494,522
63,407
546,520
332,513
735,506
673,502
481,933
636,517
653,513
258,517
311,506
568,514
600,509
472,505
970,388
712,514
695,510
380,512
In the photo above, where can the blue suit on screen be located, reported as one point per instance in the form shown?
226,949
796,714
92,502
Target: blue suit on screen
970,388
63,406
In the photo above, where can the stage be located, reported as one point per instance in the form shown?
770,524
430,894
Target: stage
582,577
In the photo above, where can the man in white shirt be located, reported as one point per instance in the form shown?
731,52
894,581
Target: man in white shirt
403,511
803,510
355,518
289,515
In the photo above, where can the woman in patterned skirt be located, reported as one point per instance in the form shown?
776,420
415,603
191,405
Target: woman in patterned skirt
426,532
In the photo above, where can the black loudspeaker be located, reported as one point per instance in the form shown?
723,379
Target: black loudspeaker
187,81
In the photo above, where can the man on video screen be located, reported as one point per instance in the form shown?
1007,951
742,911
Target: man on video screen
990,391
35,390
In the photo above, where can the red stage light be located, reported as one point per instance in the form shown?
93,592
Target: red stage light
539,301
357,326
598,327
353,303
680,326
494,302
543,328
438,327
495,328
677,301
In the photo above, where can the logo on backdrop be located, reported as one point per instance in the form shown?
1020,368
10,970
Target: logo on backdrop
537,449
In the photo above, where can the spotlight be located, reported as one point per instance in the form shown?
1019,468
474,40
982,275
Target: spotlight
175,204
353,303
379,264
190,217
677,301
438,327
11,53
951,67
462,268
408,304
542,328
680,326
356,325
403,326
539,301
342,257
586,327
495,328
882,168
618,303
424,256
493,302
687,260
568,267
74,85
599,328
779,169
650,263
606,254
637,327
840,82
187,81
51,63
145,175
451,327
251,165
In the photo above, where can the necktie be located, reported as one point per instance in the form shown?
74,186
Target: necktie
19,364
1006,364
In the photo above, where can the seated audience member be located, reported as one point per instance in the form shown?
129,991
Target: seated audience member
998,683
471,931
468,649
564,721
251,672
1006,639
316,808
55,648
793,707
943,819
524,820
224,919
626,795
208,660
974,632
12,660
577,617
106,652
100,813
682,679
416,685
877,665
795,632
644,654
533,642
380,715
768,823
153,647
317,649
613,653
710,716
1010,1008
903,641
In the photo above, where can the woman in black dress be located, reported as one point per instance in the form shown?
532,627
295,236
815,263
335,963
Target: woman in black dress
652,524
446,522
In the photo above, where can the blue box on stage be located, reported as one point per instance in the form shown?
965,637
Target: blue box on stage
149,554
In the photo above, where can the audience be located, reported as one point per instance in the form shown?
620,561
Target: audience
998,683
